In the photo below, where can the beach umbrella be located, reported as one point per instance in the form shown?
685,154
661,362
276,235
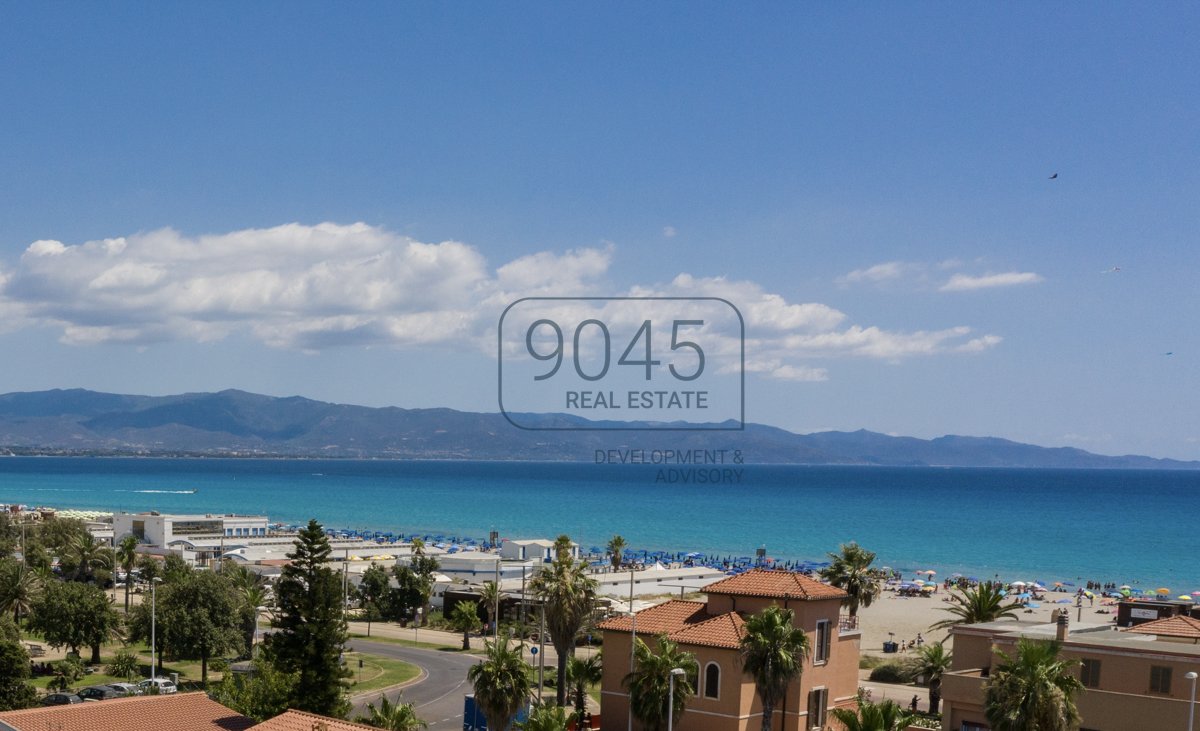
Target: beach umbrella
927,588
1018,583
1125,586
1196,593
1163,590
1185,597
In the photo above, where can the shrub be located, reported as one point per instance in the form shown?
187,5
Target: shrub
890,672
124,665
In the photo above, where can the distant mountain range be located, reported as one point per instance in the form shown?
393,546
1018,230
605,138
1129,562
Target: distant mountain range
236,423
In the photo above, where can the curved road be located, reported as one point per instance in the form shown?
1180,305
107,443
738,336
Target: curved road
439,696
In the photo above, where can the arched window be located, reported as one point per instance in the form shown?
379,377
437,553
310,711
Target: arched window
712,680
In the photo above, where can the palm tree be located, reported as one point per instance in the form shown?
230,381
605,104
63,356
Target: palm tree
418,546
88,555
126,555
650,683
885,716
546,718
465,619
569,597
850,570
501,682
562,546
581,673
616,550
490,596
773,651
931,662
393,716
984,603
22,588
1034,689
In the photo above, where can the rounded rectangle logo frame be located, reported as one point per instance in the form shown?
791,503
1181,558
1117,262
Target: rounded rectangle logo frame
730,393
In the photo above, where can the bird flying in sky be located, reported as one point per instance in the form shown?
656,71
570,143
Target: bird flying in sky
1054,176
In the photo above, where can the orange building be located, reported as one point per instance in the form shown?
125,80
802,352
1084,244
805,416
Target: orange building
725,698
1132,679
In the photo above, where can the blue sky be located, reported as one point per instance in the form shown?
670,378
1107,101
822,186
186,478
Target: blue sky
338,201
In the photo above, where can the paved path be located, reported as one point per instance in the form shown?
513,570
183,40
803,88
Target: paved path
438,697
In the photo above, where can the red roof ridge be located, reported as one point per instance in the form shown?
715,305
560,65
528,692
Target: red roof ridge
289,719
776,584
1180,625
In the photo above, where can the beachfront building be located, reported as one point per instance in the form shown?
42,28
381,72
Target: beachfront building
725,698
1133,679
539,549
161,529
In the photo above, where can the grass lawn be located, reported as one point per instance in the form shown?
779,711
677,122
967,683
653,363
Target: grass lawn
189,672
422,645
377,672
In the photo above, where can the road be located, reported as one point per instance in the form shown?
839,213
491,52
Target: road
439,696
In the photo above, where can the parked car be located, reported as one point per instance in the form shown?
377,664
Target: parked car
99,693
61,699
164,686
125,688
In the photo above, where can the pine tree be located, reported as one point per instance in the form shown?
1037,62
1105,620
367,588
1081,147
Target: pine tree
311,628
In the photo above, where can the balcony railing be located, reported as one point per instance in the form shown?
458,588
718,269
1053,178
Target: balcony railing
847,623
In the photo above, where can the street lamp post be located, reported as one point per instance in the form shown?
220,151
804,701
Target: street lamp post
416,625
153,622
257,611
671,697
1192,705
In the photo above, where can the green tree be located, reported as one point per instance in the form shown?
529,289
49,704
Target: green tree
407,596
251,592
15,690
850,570
1033,690
393,716
199,618
260,694
58,534
311,626
373,589
931,662
20,588
545,718
10,536
649,684
66,673
75,616
126,556
150,568
984,603
490,597
87,555
124,665
175,569
569,597
501,683
885,716
773,651
583,672
465,619
616,551
425,567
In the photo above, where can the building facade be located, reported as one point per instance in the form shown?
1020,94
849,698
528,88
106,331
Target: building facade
725,697
1133,679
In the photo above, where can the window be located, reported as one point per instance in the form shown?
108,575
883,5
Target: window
968,726
1160,679
818,699
1089,673
712,680
821,650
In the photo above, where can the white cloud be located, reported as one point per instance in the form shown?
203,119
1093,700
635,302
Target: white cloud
314,287
669,232
878,273
967,282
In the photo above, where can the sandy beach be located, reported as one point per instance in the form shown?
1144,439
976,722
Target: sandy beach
905,617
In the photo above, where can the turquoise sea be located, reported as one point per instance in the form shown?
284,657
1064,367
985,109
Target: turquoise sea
1136,527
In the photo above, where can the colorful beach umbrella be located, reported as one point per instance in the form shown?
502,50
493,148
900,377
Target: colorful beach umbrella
1163,590
1185,597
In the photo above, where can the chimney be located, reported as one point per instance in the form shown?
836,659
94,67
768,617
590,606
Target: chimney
1061,631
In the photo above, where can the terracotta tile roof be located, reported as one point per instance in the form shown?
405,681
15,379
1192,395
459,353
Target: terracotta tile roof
723,630
301,721
775,584
661,619
175,712
1179,626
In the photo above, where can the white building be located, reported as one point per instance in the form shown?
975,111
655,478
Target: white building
159,529
538,549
